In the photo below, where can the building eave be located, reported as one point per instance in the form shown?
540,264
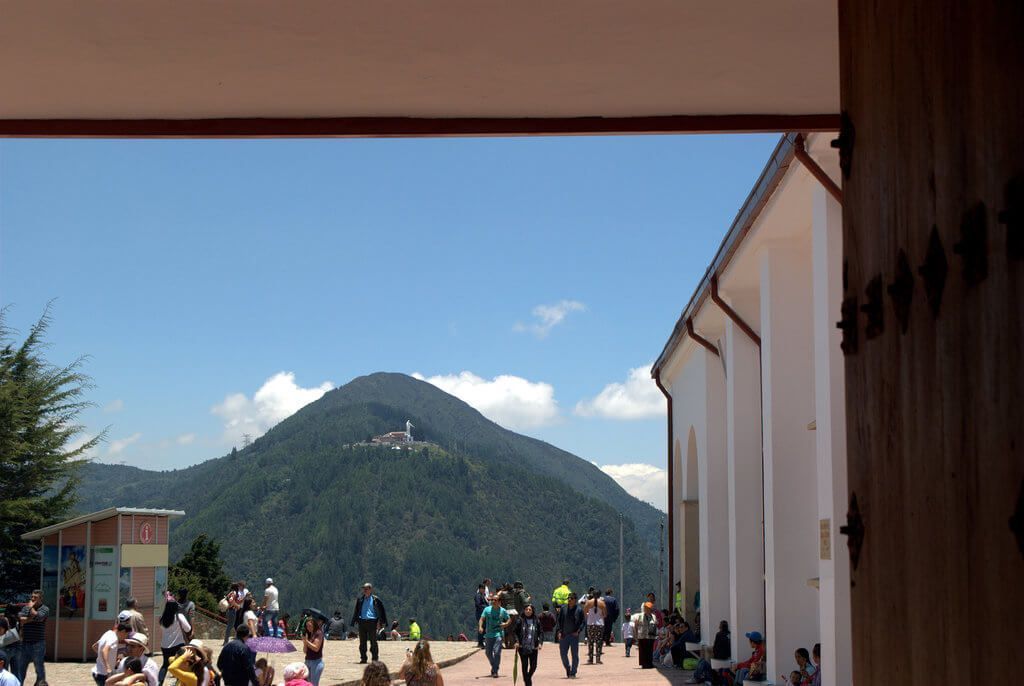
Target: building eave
767,183
97,516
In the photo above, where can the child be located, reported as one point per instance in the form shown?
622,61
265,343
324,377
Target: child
264,673
795,679
627,630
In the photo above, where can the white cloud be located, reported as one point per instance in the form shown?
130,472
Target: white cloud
185,439
637,398
512,401
549,316
114,406
641,480
116,447
79,441
279,397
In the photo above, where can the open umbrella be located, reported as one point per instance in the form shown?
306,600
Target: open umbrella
270,644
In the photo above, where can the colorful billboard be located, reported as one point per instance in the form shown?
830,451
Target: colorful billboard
72,581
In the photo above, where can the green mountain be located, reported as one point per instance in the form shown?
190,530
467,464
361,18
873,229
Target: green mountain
308,504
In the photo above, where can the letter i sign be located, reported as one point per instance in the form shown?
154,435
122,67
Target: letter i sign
146,533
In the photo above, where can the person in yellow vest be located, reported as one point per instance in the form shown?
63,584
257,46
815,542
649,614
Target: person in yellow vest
679,598
414,630
560,596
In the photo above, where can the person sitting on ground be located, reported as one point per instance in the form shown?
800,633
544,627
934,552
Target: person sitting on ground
816,652
376,674
803,666
336,629
394,634
462,637
264,673
794,679
295,675
752,669
451,637
683,634
419,668
283,624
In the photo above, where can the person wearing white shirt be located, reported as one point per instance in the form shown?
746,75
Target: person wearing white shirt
175,626
271,607
137,644
106,652
6,678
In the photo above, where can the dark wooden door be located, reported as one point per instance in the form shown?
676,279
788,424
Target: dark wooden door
933,157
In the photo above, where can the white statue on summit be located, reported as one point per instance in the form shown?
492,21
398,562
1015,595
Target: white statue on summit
408,431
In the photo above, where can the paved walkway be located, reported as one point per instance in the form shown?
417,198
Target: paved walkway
616,669
341,661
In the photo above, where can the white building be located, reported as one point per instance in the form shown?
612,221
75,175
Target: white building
753,373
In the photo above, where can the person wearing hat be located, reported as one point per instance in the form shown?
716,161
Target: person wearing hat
752,669
134,617
369,616
271,606
6,678
645,628
191,667
137,645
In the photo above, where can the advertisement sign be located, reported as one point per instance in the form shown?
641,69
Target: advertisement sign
159,585
72,581
124,587
104,582
50,568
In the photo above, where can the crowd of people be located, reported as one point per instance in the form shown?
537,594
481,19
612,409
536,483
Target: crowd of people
507,619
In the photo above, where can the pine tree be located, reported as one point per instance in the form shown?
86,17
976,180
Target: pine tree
39,460
201,571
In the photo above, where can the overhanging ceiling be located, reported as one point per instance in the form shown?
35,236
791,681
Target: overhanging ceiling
428,59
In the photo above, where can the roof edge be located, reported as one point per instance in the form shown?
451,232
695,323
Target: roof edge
771,176
97,516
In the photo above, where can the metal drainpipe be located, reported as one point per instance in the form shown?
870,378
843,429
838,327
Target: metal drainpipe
671,507
746,328
800,152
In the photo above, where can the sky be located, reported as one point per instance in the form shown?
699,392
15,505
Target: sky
218,286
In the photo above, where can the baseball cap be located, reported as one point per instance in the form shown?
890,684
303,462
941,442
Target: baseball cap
124,616
754,636
139,639
367,585
195,642
269,581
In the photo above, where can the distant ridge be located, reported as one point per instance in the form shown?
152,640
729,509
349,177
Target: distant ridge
425,525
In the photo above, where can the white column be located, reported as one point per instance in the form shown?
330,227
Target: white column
743,467
830,439
714,504
790,481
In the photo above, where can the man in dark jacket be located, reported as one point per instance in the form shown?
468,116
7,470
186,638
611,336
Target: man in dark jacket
480,602
369,616
611,604
237,664
568,623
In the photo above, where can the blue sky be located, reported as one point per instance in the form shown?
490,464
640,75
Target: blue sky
219,285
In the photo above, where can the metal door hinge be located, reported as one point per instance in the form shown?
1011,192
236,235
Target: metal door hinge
854,531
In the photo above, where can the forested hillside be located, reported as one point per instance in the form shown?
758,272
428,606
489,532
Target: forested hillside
320,515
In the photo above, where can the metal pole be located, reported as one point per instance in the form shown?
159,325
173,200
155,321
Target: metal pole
622,590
